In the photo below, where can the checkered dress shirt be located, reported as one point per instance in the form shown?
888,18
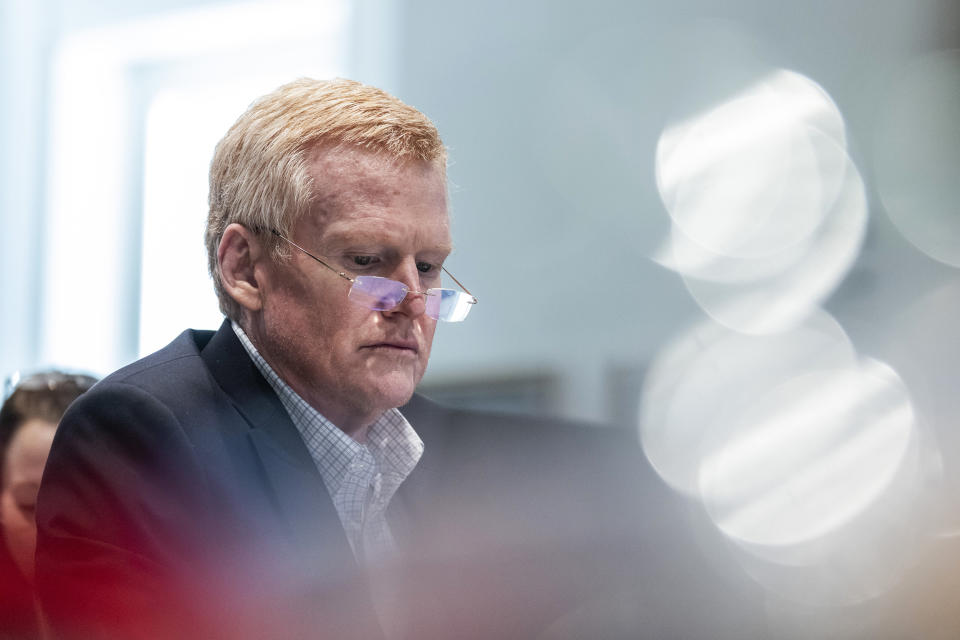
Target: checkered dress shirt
360,477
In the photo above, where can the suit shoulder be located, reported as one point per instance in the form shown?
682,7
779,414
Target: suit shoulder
162,384
185,346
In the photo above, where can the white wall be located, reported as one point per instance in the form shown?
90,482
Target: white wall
23,30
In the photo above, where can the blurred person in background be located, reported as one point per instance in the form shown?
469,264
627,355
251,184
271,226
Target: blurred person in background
279,478
28,420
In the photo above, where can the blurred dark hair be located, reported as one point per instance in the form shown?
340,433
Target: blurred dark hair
44,396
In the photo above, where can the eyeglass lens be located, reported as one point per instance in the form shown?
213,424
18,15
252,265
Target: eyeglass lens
449,305
383,294
379,294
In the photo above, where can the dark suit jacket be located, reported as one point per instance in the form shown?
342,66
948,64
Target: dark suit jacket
180,501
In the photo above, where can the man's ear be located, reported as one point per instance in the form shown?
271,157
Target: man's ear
237,255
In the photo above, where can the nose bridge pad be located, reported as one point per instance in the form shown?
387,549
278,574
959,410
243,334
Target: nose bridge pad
413,300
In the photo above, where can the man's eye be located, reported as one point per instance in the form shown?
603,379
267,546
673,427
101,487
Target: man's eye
27,509
363,261
425,267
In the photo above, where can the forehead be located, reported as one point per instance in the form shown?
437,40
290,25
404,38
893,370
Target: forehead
358,192
27,452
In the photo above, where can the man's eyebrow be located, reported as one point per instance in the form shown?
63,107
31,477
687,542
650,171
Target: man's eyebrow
339,240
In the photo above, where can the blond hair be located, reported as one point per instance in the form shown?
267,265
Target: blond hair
259,176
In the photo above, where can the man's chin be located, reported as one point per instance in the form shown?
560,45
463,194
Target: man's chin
392,392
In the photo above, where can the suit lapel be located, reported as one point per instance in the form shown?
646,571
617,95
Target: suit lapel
417,493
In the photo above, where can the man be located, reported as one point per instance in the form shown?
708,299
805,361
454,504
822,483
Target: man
260,481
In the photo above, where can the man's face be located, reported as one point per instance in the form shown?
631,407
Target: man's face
374,217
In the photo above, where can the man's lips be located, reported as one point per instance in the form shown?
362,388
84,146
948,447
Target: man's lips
400,345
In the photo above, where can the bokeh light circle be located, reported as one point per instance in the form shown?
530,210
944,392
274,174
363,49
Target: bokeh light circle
710,372
808,456
746,178
779,300
768,211
917,154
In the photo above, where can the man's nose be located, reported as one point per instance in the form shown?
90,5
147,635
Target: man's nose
414,303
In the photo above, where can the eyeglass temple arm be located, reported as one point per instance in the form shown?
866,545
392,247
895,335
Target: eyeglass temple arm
474,301
294,244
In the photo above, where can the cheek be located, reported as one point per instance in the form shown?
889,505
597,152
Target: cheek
19,531
429,327
327,315
12,517
7,509
340,331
